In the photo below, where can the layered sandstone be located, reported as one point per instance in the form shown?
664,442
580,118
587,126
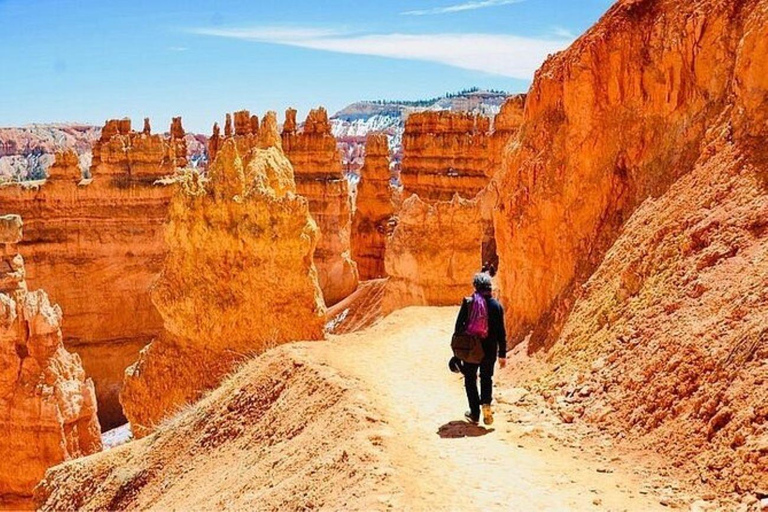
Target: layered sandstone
373,219
445,153
632,231
47,405
319,178
506,127
126,156
238,278
96,248
433,252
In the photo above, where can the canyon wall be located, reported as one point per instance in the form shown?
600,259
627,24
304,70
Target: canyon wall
239,278
433,252
96,245
613,120
632,232
373,219
317,167
445,153
47,404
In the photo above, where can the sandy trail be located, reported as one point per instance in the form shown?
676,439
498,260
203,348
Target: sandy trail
442,463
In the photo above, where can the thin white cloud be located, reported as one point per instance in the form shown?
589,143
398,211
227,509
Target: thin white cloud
466,6
500,54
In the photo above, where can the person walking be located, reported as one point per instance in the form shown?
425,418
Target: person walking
494,343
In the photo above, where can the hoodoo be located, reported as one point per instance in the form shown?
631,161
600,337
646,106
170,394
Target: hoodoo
47,404
375,208
97,245
631,229
238,278
317,165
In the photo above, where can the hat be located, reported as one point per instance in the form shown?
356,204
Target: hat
456,365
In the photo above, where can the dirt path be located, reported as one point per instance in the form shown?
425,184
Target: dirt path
443,463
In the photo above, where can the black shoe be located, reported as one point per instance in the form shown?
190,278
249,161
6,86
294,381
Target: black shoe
472,418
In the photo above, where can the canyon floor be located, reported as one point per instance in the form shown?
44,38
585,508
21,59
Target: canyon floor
368,420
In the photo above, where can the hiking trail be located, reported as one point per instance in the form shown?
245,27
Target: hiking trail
443,463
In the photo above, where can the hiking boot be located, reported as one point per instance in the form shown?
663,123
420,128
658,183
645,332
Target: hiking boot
471,418
487,414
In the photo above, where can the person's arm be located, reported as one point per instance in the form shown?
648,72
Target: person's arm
502,339
461,320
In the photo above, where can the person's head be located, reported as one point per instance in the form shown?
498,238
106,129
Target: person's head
482,283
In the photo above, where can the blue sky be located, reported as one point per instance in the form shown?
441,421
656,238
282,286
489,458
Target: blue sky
87,61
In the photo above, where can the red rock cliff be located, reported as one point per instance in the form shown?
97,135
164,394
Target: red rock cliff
96,248
317,166
238,278
47,405
375,209
632,231
613,120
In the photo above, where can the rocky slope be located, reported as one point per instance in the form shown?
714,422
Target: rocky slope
630,230
373,219
319,178
47,404
284,433
96,246
238,278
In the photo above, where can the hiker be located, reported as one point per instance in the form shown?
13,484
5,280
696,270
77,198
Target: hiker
493,343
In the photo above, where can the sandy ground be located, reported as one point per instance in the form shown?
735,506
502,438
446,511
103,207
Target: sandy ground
521,462
371,420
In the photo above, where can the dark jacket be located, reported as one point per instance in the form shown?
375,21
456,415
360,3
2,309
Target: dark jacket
497,335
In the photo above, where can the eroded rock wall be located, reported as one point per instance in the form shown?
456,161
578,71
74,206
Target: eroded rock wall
445,153
239,278
433,252
319,177
632,232
47,404
97,245
373,218
611,121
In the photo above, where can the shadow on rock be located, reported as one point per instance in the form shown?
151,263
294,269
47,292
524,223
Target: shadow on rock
457,429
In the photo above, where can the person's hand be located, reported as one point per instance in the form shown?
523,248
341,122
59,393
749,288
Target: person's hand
502,362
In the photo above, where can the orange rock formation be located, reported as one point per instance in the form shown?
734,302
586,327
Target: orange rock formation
445,153
135,157
642,163
47,405
96,248
373,216
433,252
238,279
319,178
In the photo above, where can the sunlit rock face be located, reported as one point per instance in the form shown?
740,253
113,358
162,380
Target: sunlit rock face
47,404
96,246
319,177
611,121
632,232
238,279
373,218
433,252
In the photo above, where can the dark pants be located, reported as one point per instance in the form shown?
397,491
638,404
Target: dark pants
486,383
